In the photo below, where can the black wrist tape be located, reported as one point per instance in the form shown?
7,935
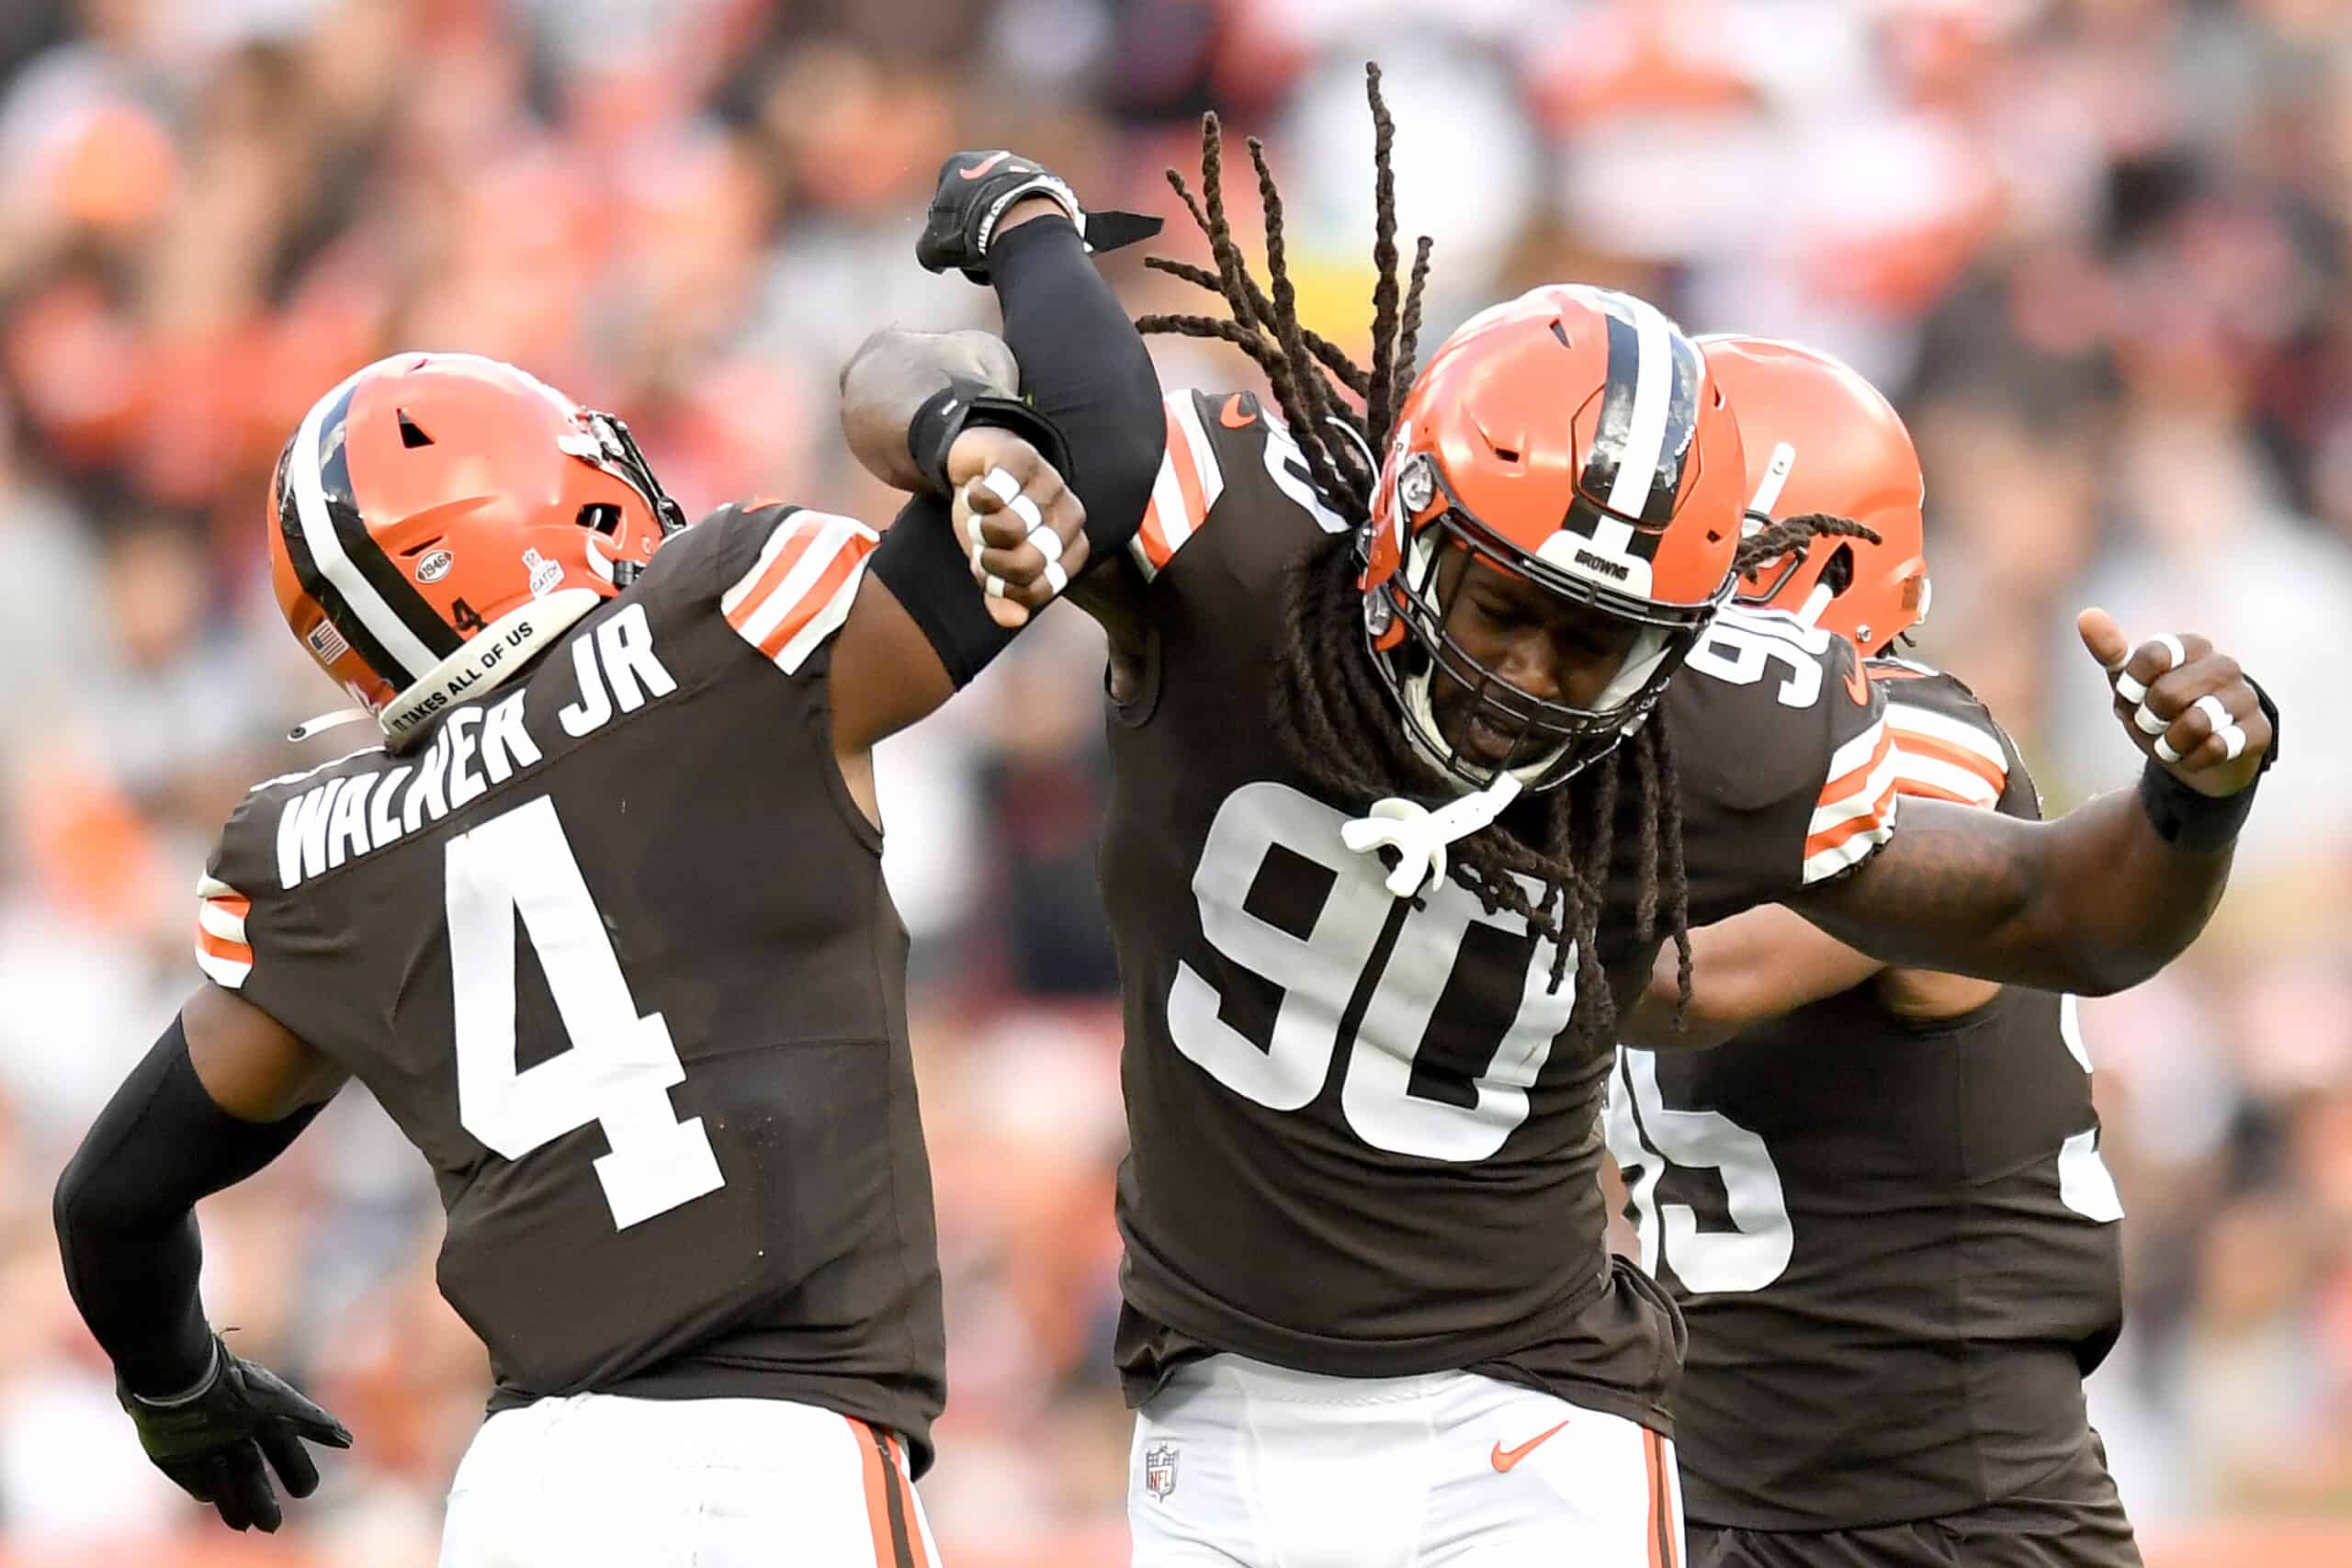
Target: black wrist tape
2197,823
965,403
2189,821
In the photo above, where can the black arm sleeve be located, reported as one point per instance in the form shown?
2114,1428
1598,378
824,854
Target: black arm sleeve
1083,367
125,1213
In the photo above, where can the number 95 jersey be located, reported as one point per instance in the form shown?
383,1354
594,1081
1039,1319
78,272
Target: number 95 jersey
1892,1241
1364,1143
615,953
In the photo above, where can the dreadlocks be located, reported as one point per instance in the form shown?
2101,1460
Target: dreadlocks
1335,716
1776,539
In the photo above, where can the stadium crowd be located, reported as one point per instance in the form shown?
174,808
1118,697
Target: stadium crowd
2096,247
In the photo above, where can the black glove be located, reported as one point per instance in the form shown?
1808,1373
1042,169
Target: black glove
212,1441
977,189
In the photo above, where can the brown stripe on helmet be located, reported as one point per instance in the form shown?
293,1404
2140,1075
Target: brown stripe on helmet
314,584
382,573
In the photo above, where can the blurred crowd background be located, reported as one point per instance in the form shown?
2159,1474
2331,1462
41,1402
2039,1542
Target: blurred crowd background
2096,247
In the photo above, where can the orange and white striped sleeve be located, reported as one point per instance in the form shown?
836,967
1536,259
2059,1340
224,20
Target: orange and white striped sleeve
798,589
1191,480
1855,811
223,951
1940,757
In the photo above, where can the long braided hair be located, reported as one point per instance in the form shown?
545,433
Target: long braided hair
1335,720
1776,539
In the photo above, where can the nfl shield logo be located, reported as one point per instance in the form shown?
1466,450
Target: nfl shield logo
1159,1470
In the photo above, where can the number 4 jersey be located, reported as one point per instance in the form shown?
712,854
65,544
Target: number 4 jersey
1362,1143
1892,1241
615,953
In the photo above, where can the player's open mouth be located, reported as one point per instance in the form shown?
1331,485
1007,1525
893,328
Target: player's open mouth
1482,741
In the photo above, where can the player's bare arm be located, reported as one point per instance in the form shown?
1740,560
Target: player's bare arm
1757,964
2104,896
224,1091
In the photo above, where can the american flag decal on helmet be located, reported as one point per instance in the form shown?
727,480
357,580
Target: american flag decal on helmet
1641,449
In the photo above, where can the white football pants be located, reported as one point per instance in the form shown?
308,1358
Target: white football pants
1237,1463
597,1479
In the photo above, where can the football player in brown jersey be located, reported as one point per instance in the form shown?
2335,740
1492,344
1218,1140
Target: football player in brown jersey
1881,1205
1413,774
601,924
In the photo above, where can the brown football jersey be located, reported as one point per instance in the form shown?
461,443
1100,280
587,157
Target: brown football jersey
1362,1143
1894,1243
614,952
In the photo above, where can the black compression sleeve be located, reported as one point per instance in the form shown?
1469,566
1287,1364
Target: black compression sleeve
125,1213
1083,367
918,562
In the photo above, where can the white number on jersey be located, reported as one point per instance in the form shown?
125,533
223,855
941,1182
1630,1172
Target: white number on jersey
621,1066
1646,1135
1320,974
1741,644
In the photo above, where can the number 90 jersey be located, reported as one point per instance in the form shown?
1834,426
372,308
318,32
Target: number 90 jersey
1891,1242
615,953
1362,1143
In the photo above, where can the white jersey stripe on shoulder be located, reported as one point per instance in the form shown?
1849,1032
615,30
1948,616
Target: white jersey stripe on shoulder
326,550
220,922
1205,467
1853,755
1847,851
1168,502
1862,798
831,534
1915,720
227,973
778,536
824,622
1947,778
211,886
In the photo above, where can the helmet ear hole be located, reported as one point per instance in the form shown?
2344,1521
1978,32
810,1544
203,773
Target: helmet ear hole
412,434
601,515
1838,575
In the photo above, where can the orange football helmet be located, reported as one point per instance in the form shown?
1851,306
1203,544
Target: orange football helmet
1820,438
1572,436
431,500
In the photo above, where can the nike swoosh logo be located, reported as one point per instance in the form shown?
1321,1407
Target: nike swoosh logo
1233,416
1504,1459
1858,685
983,166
